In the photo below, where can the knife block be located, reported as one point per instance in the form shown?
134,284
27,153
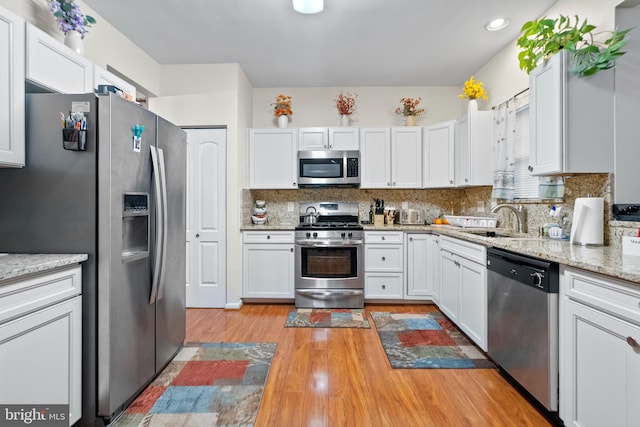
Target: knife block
378,220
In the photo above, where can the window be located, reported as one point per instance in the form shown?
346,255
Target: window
526,186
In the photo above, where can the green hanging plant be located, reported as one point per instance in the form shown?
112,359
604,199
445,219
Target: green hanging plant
541,38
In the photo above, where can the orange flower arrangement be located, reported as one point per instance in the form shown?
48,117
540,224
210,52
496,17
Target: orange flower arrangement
346,104
282,106
410,107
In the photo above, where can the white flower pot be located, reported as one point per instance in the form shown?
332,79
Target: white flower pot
283,121
473,105
344,120
73,39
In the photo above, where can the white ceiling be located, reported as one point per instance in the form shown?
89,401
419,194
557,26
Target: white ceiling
351,43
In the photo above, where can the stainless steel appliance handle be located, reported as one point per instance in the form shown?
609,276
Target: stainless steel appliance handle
159,228
165,222
351,244
330,293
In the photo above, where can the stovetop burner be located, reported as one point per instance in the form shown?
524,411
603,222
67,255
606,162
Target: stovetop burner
324,225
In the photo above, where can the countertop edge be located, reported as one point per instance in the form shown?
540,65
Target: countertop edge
16,266
605,260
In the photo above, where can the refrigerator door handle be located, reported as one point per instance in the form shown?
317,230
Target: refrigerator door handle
159,225
165,222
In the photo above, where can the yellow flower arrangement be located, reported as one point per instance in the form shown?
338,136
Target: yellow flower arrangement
282,106
473,90
409,107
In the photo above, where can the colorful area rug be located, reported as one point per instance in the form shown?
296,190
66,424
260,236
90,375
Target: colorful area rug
426,340
327,318
206,384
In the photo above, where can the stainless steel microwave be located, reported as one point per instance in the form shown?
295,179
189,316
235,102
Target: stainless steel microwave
329,168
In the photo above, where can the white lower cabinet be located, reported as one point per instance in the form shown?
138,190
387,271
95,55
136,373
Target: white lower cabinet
599,350
463,295
383,264
419,266
41,341
268,264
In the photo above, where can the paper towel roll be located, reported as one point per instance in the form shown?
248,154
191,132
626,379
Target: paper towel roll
588,221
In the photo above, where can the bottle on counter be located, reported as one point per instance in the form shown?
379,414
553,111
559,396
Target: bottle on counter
371,214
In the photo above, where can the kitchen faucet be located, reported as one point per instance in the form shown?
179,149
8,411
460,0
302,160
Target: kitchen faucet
521,215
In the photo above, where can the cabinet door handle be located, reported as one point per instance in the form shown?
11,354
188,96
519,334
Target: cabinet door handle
197,236
633,343
384,258
268,237
384,287
451,181
294,184
382,237
411,239
394,183
530,168
466,180
290,249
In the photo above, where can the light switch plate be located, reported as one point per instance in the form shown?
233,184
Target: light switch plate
480,206
405,205
290,206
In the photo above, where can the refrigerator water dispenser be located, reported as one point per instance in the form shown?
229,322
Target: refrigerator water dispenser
135,226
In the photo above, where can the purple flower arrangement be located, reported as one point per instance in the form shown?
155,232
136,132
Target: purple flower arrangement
69,16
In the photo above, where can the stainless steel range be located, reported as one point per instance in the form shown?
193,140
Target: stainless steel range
329,256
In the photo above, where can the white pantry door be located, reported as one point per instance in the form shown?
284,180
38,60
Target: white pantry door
206,218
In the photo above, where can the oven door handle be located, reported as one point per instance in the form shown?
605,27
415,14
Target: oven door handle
340,244
330,293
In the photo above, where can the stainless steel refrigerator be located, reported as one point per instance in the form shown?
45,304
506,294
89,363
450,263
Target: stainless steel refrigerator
121,201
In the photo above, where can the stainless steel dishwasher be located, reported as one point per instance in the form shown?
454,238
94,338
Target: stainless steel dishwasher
523,321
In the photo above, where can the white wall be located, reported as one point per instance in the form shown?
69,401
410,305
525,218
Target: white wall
375,106
104,45
215,95
502,76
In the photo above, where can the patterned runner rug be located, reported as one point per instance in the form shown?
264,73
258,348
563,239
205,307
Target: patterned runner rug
426,340
327,318
206,384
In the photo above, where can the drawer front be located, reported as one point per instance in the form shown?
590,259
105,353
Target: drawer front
384,237
603,293
383,258
35,292
267,236
471,251
383,285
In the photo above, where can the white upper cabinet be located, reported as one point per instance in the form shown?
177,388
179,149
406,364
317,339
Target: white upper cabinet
406,157
54,66
375,158
391,157
313,139
104,77
343,138
272,158
473,149
438,164
571,119
12,89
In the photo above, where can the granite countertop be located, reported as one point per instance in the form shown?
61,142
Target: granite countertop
607,260
14,266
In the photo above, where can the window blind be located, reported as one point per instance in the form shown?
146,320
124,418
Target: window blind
526,186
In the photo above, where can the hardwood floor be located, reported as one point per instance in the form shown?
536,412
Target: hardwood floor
341,377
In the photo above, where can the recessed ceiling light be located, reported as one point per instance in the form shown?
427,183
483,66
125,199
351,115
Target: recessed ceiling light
497,24
308,6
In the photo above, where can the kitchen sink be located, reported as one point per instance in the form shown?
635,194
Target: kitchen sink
495,233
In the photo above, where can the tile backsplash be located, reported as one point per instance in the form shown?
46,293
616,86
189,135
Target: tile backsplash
456,201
